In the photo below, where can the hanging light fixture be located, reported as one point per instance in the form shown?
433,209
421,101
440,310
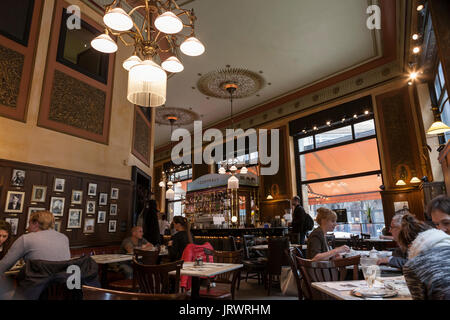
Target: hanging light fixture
233,182
178,184
170,194
147,80
438,127
162,184
243,170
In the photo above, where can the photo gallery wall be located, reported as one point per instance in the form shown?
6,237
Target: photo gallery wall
79,208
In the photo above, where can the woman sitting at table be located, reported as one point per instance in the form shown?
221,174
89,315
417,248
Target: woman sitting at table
318,249
439,211
41,243
5,237
427,272
180,239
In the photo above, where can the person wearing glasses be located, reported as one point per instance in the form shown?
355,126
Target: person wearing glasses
399,256
439,210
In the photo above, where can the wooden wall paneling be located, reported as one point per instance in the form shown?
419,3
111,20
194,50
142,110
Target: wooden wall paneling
272,208
413,196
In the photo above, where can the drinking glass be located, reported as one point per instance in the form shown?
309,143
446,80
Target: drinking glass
370,269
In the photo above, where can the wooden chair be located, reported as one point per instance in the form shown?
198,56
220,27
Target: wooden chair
276,258
156,278
147,257
93,293
254,265
292,254
322,271
230,278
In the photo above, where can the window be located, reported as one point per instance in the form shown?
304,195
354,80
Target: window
184,176
75,51
340,169
15,20
441,98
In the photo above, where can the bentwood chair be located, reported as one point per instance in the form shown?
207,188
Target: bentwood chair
276,259
254,264
292,254
93,293
156,278
323,271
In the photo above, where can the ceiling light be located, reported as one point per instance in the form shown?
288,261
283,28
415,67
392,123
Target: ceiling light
438,127
162,184
410,83
400,183
222,170
233,168
243,170
413,75
172,64
415,180
328,123
170,184
233,183
420,7
192,47
131,62
104,43
147,84
415,36
179,184
118,19
234,219
366,112
416,50
170,194
169,23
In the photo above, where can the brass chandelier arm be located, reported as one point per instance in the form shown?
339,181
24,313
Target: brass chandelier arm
126,43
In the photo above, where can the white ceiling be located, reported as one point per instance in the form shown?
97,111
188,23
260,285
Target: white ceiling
294,42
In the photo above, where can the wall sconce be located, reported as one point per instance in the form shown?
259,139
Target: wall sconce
269,197
414,180
400,182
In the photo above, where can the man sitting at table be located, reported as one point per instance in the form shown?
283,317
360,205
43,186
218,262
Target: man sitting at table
399,257
128,245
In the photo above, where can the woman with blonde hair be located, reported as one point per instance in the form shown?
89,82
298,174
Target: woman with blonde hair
41,243
318,249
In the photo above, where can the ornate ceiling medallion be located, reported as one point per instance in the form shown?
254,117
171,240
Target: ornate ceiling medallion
182,116
213,83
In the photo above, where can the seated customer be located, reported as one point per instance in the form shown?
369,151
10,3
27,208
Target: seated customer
399,256
439,210
427,272
129,244
318,249
42,243
5,237
180,239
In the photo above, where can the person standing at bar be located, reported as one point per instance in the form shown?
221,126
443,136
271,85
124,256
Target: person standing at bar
300,223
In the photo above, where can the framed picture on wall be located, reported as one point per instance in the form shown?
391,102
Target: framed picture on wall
58,225
30,211
103,200
112,226
38,193
14,222
92,189
90,207
18,178
101,217
14,202
113,210
77,196
114,193
89,224
59,184
74,220
57,206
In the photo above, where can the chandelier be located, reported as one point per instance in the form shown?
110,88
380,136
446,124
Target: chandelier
157,37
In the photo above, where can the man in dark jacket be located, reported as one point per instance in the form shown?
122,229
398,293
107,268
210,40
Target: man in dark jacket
299,219
150,223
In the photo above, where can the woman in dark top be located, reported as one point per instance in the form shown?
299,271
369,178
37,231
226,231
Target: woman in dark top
318,249
5,237
180,239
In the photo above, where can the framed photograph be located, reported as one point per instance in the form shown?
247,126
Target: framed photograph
90,207
74,220
39,193
101,217
57,206
92,189
103,200
18,178
30,211
112,226
59,184
77,196
113,210
14,202
14,222
114,193
89,224
58,225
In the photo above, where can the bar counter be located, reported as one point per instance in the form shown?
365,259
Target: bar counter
239,232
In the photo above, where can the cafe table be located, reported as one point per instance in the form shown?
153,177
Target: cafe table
266,246
341,290
104,259
206,270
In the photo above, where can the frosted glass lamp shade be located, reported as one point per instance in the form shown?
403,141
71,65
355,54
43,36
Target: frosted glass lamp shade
118,19
170,194
233,183
233,168
147,84
162,184
178,184
192,47
438,127
244,170
170,184
400,183
104,43
234,219
131,62
169,23
414,180
172,64
222,170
